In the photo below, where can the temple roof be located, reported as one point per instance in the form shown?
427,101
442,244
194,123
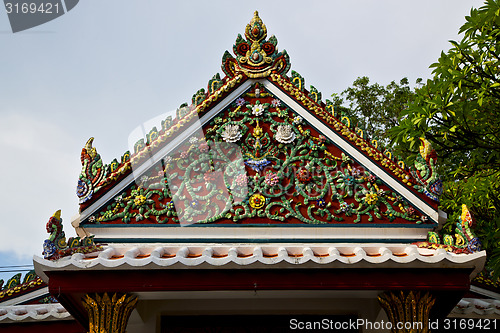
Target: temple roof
28,300
258,149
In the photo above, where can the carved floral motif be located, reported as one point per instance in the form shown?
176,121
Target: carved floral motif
231,133
242,172
285,134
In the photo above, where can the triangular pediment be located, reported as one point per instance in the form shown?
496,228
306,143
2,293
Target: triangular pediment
258,150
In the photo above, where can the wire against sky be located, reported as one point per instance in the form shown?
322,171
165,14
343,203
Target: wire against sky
16,270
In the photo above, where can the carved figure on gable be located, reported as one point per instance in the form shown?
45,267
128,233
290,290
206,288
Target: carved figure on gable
426,172
93,172
56,246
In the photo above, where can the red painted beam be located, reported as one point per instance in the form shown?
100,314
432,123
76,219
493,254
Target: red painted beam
64,282
65,326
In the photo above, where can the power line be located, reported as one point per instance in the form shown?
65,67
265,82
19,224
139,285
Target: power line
15,266
16,270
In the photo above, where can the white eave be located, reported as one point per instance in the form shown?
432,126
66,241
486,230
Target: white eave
33,313
337,233
242,256
477,308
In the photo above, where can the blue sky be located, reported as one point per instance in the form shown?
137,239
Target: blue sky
107,67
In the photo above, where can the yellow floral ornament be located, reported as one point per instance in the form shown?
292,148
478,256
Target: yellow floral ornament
371,198
139,200
257,201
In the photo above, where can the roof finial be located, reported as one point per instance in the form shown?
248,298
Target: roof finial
256,30
256,56
56,246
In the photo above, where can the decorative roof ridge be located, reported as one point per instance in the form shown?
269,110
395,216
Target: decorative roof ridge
316,96
424,179
305,98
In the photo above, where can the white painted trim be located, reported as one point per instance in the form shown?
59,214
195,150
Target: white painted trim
357,155
165,150
312,233
485,292
33,313
26,297
280,256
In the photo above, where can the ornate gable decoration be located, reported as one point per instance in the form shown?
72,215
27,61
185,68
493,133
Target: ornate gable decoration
258,162
256,57
270,153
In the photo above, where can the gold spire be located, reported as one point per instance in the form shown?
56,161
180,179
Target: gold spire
256,30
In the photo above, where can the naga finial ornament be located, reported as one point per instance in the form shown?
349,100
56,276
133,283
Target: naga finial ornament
429,181
56,246
93,172
464,240
256,57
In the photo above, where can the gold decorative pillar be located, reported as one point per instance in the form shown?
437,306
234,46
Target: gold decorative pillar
408,312
109,315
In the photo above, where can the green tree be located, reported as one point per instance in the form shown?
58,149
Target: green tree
458,110
373,107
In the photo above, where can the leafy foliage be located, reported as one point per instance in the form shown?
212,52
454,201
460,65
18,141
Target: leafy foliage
373,107
458,110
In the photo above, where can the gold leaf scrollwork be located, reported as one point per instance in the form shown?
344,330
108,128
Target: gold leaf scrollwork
410,308
107,314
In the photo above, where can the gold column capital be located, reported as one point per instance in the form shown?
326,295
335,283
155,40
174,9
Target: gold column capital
407,311
109,314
